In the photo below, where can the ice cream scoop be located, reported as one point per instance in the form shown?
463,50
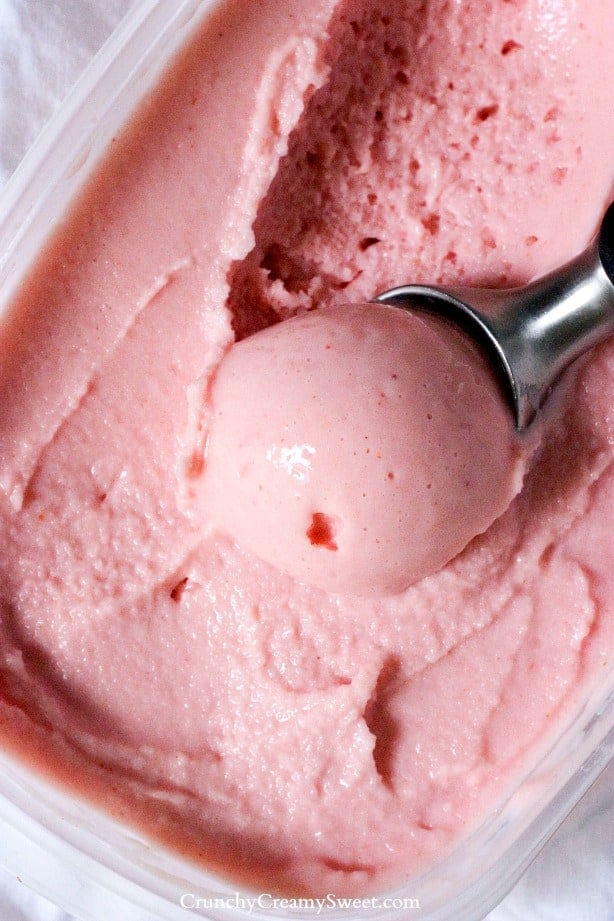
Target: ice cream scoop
360,448
533,332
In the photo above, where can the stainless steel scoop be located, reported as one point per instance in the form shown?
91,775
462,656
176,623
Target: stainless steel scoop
533,332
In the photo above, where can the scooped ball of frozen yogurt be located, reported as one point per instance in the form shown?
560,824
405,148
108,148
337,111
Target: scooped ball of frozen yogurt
358,448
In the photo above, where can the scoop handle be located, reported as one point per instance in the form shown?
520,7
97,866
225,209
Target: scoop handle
534,332
546,325
606,243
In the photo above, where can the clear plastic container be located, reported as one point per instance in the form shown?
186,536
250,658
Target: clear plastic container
62,846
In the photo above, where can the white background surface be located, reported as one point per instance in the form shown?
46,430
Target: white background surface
44,45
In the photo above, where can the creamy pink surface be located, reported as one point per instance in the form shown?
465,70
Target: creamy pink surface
359,448
292,737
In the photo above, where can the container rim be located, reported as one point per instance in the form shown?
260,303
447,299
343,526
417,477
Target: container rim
46,843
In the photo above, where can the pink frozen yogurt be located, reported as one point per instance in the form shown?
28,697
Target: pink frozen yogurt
358,448
299,156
